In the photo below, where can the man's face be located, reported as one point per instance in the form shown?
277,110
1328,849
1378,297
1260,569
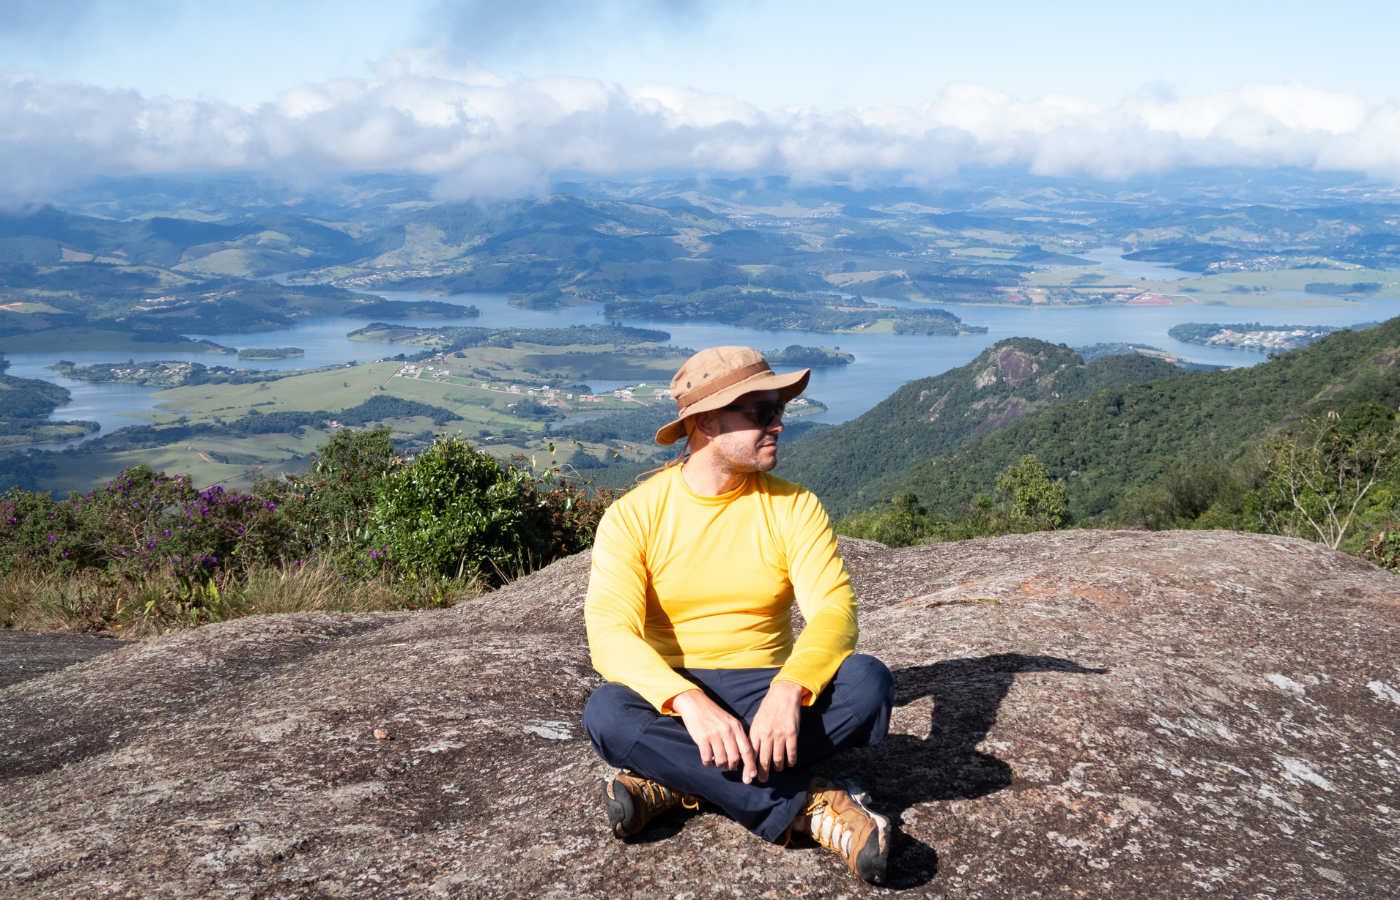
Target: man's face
740,442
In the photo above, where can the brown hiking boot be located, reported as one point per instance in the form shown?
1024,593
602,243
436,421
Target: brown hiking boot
838,817
632,801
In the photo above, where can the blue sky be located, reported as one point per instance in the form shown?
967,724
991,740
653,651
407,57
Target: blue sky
542,86
769,52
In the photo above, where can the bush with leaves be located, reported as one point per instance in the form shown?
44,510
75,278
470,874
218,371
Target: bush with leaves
452,515
328,508
1321,474
1034,497
1037,504
562,517
1382,546
903,523
455,513
142,521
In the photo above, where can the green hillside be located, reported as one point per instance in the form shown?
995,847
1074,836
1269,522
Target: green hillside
1106,445
846,465
272,242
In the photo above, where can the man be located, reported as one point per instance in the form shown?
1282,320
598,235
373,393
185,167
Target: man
689,619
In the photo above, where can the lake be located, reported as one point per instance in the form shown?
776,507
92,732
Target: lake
882,361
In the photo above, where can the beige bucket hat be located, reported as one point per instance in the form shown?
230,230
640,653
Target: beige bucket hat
715,378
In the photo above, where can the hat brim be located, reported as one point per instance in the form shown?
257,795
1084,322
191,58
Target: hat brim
787,386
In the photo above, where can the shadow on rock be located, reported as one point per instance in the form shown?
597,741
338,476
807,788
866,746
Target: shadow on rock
966,694
945,764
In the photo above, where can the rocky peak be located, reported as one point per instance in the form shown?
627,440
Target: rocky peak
929,417
1014,364
1096,714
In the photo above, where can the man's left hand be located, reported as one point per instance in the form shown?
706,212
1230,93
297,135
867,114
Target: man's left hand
774,729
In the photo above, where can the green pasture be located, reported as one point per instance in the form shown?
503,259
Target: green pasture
1295,280
330,390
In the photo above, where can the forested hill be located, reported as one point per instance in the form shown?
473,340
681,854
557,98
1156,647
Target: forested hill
847,465
1106,445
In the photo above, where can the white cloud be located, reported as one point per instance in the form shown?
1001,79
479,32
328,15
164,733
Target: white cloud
428,111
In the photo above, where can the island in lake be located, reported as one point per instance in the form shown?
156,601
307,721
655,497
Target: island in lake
270,352
1250,336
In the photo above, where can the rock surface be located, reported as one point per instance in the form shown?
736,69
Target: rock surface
1081,714
29,654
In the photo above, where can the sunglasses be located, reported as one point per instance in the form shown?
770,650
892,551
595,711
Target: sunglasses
763,413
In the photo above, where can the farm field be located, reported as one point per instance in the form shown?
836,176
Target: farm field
503,399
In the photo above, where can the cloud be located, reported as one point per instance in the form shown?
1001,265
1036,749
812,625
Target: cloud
429,111
492,176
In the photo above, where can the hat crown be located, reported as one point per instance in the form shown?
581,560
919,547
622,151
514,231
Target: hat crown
709,366
714,378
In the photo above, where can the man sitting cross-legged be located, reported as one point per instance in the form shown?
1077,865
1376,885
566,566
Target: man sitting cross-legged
689,619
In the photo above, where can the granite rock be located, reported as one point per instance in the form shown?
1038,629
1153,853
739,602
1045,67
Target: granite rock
1080,714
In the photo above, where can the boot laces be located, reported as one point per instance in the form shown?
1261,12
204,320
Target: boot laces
827,829
658,797
654,795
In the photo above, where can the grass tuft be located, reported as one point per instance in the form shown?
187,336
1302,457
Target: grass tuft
97,602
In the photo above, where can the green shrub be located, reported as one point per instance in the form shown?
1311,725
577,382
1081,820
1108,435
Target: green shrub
328,508
1383,546
905,522
1321,474
151,550
1034,497
142,521
454,513
902,524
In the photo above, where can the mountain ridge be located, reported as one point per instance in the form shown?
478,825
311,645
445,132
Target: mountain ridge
1106,445
927,417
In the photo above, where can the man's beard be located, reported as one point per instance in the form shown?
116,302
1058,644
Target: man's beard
752,460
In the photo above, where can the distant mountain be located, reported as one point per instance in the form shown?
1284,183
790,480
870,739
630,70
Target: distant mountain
366,199
848,464
1107,444
268,243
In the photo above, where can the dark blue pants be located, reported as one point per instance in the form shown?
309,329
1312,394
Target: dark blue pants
853,711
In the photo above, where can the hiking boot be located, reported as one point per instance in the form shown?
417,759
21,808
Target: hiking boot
632,801
838,817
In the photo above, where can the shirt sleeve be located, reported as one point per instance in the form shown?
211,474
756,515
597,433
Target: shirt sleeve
615,613
824,594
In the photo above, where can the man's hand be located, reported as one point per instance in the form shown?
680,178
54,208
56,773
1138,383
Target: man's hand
774,729
719,735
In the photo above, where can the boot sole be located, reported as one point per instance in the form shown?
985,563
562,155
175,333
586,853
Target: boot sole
620,808
873,858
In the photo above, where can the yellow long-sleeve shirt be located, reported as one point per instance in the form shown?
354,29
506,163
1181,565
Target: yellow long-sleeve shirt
680,579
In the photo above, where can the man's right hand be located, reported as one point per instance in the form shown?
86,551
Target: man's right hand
719,735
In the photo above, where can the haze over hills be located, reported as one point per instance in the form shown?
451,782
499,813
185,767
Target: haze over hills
151,260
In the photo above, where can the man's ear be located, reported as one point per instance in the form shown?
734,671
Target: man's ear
707,424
